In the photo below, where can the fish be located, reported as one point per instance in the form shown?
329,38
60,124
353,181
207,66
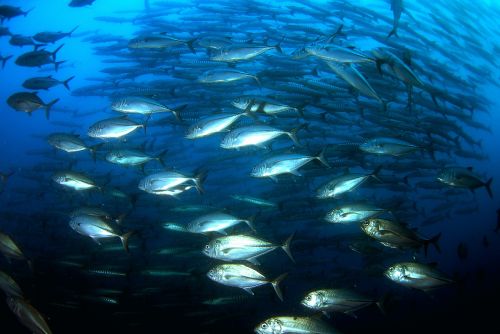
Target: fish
388,146
255,135
163,182
397,10
259,105
241,276
28,315
9,12
116,127
80,3
254,200
141,105
243,248
417,275
212,124
131,157
10,249
235,53
159,42
98,228
464,178
353,77
29,102
217,222
336,300
396,235
353,213
39,58
293,324
344,183
331,52
9,286
71,143
74,180
52,36
225,76
285,164
45,82
20,40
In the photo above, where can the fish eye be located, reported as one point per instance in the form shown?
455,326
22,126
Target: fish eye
207,247
264,326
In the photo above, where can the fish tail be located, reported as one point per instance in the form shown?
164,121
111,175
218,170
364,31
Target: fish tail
434,241
250,222
48,106
72,30
198,181
278,46
190,44
177,112
5,176
93,149
321,158
56,51
4,60
286,247
65,82
161,156
293,135
375,173
488,187
57,63
394,32
124,238
275,283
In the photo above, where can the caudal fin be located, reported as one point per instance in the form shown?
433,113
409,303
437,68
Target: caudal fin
57,63
275,283
375,173
54,53
286,247
250,222
394,32
72,31
321,158
190,44
199,179
488,187
161,156
434,241
65,82
4,60
178,110
93,149
48,106
124,238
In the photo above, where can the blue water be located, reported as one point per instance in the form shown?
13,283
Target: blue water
35,210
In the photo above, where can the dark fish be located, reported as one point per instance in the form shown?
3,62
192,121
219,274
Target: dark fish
29,102
45,82
9,12
397,10
80,3
28,315
39,58
52,37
